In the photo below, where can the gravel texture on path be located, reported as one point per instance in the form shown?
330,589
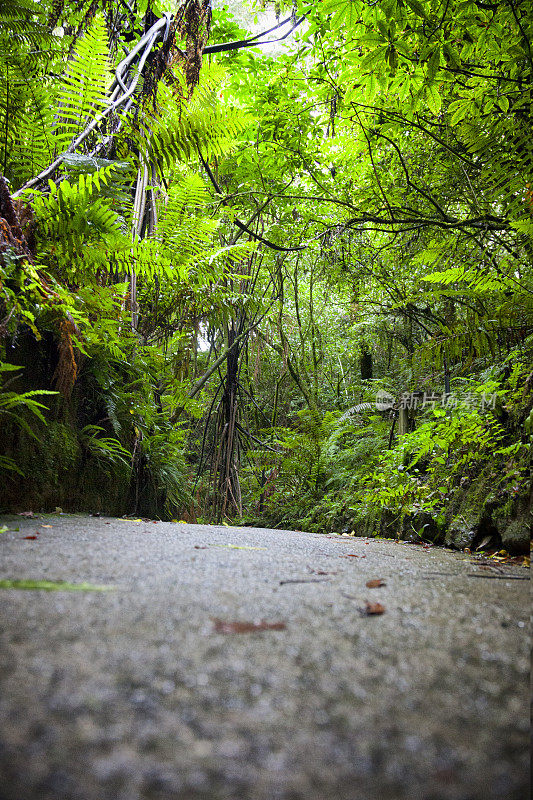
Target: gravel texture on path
139,692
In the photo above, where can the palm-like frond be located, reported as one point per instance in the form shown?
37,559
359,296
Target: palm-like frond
184,246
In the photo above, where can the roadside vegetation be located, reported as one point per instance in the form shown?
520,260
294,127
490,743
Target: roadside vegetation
286,285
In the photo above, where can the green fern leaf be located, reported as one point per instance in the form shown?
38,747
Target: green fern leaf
83,91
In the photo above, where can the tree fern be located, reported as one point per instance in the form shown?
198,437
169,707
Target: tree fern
183,245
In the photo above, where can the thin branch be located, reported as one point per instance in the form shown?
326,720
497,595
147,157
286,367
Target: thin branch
240,224
255,439
410,183
199,385
252,40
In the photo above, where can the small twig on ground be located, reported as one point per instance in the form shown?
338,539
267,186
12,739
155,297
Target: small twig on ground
499,577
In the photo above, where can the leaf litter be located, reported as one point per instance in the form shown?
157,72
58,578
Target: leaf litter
372,609
228,547
53,586
225,626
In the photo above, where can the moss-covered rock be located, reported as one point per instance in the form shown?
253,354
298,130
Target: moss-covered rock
103,488
488,507
49,464
514,521
57,472
421,526
516,537
468,515
462,531
390,524
370,525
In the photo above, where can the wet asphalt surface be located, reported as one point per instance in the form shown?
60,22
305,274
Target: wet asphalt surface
150,691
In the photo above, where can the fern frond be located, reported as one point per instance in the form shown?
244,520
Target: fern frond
76,224
23,30
26,120
179,129
83,91
474,278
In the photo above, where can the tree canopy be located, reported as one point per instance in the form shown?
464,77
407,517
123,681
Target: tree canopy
221,239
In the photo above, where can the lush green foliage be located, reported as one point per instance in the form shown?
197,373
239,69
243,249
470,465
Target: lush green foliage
218,276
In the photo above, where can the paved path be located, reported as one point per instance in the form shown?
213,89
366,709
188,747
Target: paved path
133,693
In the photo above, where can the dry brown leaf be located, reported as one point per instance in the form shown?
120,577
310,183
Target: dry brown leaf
375,582
373,609
222,626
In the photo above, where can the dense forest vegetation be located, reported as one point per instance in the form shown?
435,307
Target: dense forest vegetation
287,284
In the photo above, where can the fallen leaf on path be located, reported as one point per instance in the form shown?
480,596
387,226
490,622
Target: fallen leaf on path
29,537
26,514
351,555
495,556
372,609
201,546
53,586
375,582
4,529
47,526
238,547
222,626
